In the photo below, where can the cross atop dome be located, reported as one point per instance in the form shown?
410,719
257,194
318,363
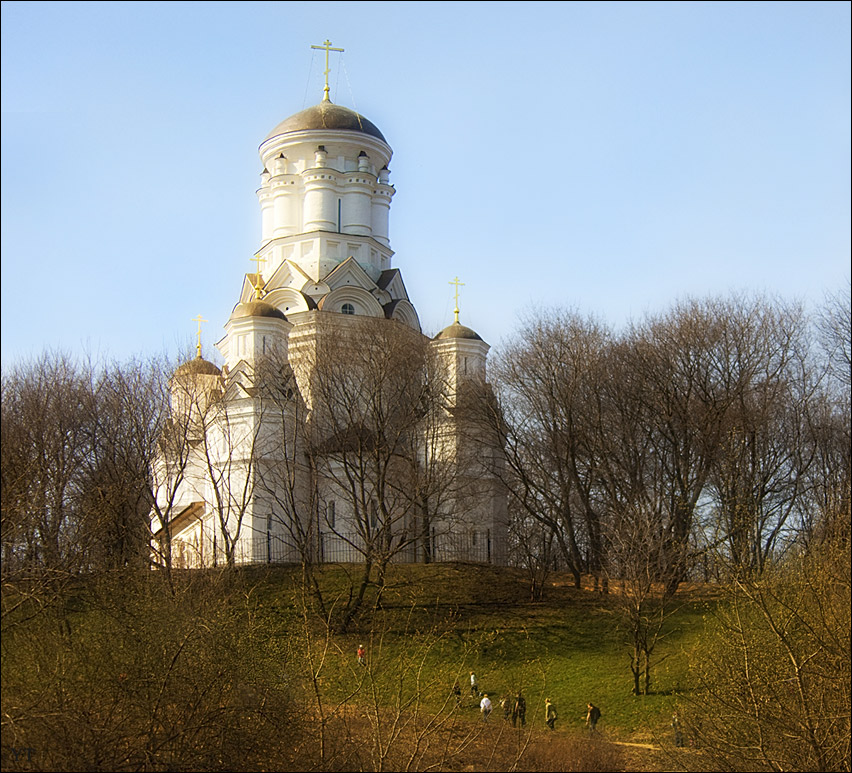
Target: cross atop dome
456,309
259,283
327,46
199,320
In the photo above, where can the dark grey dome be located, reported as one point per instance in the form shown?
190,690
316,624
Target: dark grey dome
198,367
327,115
458,331
257,309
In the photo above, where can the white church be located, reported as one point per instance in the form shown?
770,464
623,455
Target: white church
335,430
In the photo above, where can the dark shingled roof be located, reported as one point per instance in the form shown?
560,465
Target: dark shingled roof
327,115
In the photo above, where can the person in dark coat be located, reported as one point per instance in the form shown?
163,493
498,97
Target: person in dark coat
592,717
519,711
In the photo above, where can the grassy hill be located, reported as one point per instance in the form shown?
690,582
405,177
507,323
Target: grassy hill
450,619
235,670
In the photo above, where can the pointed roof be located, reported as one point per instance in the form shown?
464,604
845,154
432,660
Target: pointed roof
390,280
349,272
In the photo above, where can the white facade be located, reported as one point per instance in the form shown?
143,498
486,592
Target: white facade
241,487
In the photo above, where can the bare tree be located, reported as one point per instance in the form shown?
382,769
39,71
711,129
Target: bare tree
702,370
181,395
636,547
127,410
285,475
773,673
834,324
532,549
756,481
824,511
231,425
45,443
368,394
547,385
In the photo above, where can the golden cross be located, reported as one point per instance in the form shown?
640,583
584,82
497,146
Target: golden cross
327,46
259,284
199,320
456,309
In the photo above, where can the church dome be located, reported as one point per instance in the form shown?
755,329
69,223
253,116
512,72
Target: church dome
198,367
458,331
327,115
257,309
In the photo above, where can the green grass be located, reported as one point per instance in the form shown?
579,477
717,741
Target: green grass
116,664
455,618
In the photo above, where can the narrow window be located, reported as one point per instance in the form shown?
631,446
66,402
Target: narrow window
330,515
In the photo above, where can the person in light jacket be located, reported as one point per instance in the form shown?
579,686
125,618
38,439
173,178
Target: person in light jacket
485,707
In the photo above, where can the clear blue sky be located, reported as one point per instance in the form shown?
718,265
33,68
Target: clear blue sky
610,157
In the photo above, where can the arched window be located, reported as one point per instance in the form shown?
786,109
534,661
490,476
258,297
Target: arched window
347,308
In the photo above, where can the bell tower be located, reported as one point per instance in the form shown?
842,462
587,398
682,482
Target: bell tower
325,191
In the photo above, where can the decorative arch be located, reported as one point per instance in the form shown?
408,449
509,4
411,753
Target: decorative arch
364,302
403,311
288,300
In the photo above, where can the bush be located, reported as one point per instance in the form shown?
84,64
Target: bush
774,675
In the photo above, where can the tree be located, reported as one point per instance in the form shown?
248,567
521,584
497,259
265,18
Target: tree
231,446
636,549
834,325
756,481
709,383
825,510
547,382
368,394
181,396
127,409
45,444
158,676
773,674
285,477
685,392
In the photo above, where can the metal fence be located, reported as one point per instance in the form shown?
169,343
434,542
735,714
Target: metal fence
333,547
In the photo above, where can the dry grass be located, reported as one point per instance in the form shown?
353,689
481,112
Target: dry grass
473,746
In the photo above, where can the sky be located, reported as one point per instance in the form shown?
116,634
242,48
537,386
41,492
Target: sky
609,158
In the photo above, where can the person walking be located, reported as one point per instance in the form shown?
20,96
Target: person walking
506,705
474,687
592,717
550,715
485,707
362,655
519,711
678,734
